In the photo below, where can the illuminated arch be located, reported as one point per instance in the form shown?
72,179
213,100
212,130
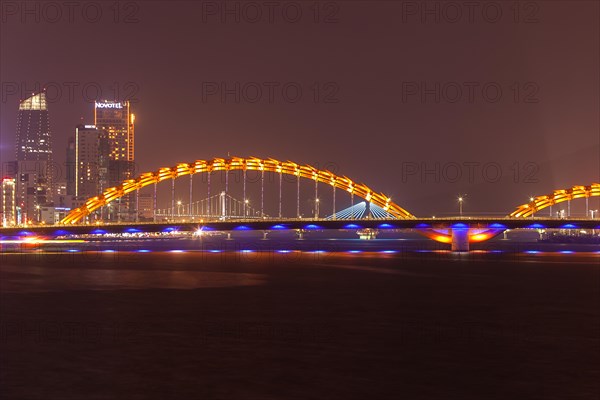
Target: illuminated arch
558,196
236,164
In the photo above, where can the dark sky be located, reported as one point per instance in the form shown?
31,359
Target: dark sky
366,60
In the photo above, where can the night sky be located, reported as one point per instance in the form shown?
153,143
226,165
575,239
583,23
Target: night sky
360,66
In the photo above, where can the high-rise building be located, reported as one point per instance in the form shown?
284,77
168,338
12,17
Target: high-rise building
9,211
116,119
91,155
33,130
34,156
70,166
118,122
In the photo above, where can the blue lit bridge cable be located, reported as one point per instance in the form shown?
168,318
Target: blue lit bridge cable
359,211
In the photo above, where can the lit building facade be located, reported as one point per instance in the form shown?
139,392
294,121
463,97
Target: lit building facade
118,122
9,208
53,215
116,119
70,166
91,161
146,207
33,157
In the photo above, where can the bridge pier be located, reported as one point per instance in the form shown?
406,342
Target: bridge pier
460,239
265,233
300,234
229,236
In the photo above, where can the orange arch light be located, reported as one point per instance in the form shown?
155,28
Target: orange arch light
558,196
236,164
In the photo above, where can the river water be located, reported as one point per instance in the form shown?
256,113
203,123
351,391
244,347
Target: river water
279,320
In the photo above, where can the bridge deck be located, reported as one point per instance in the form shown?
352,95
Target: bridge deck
311,224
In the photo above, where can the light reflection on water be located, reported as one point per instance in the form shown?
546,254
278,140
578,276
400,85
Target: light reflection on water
30,279
259,250
43,269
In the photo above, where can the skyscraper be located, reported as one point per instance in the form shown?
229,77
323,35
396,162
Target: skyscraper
116,119
91,155
33,130
118,122
70,166
34,156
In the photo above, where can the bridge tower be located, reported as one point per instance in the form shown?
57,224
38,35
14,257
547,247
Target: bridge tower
223,208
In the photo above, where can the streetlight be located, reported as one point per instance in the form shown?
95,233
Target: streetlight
246,201
317,208
178,207
592,212
461,199
39,217
532,205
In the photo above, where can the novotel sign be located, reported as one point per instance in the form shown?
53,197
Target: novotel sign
109,105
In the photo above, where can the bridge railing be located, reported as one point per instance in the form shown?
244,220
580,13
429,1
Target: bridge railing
200,221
